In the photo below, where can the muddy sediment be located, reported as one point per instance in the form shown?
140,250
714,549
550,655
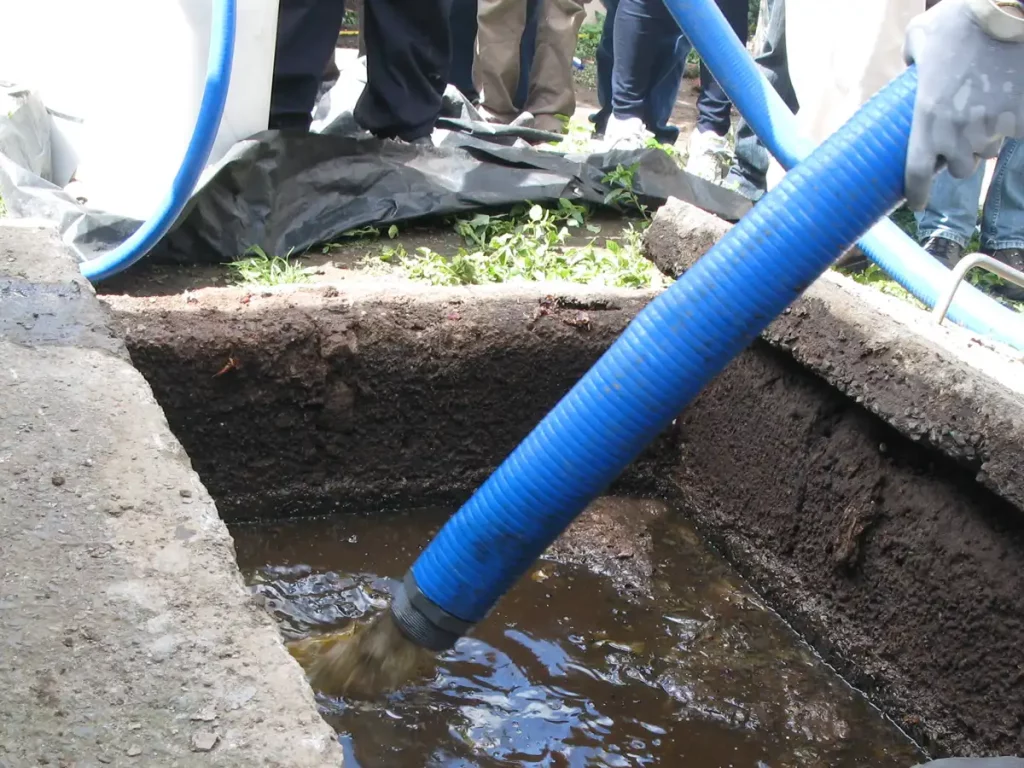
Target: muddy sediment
892,560
689,669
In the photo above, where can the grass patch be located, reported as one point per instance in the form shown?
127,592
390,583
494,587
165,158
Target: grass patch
529,243
589,38
587,41
261,269
876,278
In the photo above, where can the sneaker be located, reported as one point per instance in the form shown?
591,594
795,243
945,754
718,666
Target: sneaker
705,154
626,133
1011,257
736,182
944,251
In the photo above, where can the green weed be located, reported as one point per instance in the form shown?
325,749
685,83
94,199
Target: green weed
623,195
875,277
360,233
526,244
589,38
260,269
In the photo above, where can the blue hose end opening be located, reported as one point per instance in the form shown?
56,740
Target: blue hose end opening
422,621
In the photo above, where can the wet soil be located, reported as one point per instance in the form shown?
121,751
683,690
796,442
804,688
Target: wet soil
689,668
414,394
903,571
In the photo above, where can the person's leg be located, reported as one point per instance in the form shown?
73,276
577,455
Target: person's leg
307,32
1002,222
499,35
552,91
605,61
713,106
462,23
749,176
638,23
946,224
665,87
527,50
708,144
408,55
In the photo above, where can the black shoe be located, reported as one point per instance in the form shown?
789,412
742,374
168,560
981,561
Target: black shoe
852,261
944,251
1011,257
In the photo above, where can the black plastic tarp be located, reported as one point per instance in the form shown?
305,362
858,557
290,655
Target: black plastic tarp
287,192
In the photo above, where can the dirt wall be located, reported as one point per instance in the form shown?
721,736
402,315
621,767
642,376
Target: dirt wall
386,398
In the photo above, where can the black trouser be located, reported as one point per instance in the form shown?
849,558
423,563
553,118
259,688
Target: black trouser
408,50
646,35
713,106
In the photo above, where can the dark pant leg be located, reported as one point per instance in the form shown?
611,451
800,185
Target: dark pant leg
462,24
605,60
665,89
713,106
751,170
408,58
527,47
644,29
307,32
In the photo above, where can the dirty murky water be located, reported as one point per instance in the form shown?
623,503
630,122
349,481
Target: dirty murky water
569,673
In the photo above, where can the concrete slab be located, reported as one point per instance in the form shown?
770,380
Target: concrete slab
128,636
939,385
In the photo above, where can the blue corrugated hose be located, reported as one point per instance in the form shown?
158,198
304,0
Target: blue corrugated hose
215,95
886,244
659,364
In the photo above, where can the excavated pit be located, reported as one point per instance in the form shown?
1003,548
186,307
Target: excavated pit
890,558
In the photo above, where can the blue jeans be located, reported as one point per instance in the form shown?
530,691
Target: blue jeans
665,77
749,175
648,55
952,210
463,30
714,110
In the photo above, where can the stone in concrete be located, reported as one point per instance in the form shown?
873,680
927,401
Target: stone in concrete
128,635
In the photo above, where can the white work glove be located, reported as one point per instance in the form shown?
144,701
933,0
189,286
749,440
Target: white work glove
970,94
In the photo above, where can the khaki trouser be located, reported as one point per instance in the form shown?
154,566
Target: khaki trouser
500,27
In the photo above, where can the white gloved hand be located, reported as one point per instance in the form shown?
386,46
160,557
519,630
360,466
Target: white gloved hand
970,94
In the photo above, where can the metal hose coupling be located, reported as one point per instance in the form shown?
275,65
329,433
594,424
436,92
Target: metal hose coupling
422,621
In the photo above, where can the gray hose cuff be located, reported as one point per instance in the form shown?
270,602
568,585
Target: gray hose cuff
421,621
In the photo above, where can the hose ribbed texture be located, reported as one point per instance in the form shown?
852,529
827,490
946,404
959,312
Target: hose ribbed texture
886,244
211,109
668,354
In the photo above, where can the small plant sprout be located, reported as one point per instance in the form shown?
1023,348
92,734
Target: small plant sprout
257,268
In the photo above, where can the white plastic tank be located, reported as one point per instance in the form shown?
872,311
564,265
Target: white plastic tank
124,80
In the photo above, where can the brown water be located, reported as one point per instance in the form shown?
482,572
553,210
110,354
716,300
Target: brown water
569,673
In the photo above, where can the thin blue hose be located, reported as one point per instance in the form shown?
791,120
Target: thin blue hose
215,95
663,360
886,244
